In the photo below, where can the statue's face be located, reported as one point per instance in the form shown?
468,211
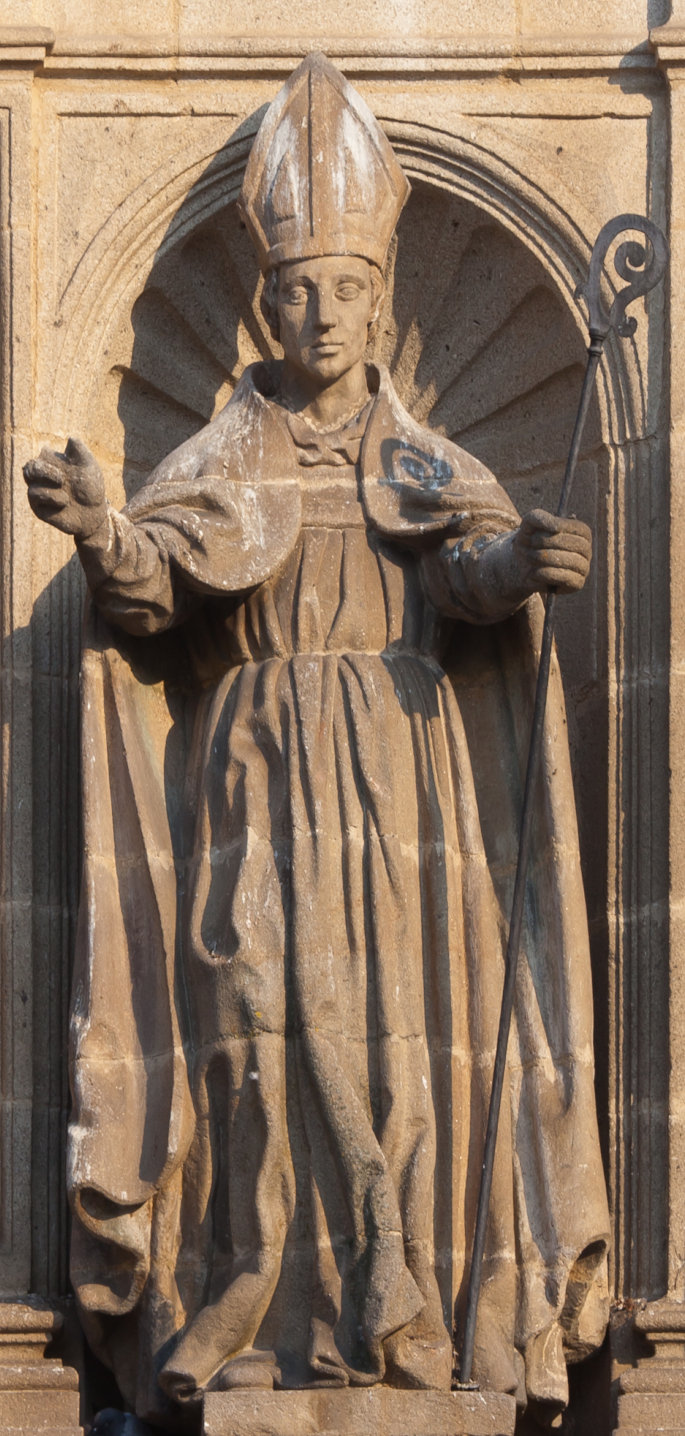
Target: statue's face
325,307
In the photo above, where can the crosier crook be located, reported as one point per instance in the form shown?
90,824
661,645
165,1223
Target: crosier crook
643,272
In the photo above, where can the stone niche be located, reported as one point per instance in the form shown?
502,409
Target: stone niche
132,296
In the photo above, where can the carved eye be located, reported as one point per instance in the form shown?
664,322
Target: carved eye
296,295
348,291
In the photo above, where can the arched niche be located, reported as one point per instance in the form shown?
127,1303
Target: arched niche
485,342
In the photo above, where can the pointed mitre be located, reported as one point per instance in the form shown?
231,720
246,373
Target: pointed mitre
321,177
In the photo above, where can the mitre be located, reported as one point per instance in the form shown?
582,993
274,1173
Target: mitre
321,177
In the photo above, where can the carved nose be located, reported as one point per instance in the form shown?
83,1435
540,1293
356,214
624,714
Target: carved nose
324,317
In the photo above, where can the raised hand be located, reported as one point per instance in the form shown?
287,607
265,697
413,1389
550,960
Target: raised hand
67,490
551,553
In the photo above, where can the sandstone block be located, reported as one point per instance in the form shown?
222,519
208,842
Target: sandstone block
653,1412
379,1409
40,1411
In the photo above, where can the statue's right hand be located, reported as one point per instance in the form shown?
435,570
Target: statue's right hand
67,490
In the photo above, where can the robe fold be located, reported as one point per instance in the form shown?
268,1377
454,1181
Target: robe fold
305,724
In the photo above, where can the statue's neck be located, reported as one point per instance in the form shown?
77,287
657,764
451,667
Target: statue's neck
324,406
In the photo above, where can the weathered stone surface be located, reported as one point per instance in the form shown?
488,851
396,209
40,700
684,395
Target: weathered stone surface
40,1411
524,127
36,1394
25,1330
380,1410
655,1412
652,1394
285,1015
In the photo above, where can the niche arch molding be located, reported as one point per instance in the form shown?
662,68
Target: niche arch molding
189,188
514,190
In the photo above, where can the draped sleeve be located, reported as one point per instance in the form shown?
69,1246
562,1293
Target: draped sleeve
217,517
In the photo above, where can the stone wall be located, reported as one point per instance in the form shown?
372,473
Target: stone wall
128,294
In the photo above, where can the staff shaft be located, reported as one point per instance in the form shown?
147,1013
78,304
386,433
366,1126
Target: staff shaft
518,900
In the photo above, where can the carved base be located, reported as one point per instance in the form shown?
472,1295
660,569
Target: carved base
379,1410
36,1395
652,1394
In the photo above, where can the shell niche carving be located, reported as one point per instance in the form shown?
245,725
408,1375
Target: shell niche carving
478,341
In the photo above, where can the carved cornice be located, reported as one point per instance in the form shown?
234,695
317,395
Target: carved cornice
668,44
24,43
584,53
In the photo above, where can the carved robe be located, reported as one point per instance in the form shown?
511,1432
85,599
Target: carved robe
305,723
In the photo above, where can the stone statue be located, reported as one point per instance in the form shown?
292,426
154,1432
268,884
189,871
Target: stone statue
307,679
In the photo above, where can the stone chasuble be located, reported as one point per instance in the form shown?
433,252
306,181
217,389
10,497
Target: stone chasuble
305,725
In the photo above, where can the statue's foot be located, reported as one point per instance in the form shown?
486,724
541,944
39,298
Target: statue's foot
497,1365
417,1363
180,1384
190,1372
205,1348
252,1370
221,1331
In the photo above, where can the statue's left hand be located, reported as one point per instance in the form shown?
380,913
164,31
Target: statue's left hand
551,553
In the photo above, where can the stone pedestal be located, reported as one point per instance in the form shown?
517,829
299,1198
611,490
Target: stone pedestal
378,1409
652,1395
36,1395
